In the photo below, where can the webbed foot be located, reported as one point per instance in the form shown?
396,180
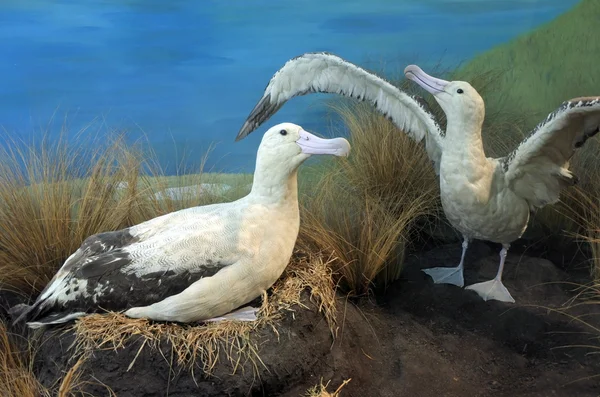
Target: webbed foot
446,275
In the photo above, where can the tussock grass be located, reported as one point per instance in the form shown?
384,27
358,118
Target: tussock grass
16,375
18,379
205,345
584,202
52,196
55,194
362,211
592,237
72,383
581,309
320,390
584,211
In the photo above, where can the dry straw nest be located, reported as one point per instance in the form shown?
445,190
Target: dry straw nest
204,343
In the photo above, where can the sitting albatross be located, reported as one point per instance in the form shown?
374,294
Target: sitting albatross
484,198
197,263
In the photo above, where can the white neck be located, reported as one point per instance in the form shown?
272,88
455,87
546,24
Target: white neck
275,185
463,147
464,133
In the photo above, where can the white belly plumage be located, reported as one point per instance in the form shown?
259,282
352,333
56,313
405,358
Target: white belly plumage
501,218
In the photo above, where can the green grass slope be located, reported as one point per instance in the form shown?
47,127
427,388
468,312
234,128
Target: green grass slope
541,69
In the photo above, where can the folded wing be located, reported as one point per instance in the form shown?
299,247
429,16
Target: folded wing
122,269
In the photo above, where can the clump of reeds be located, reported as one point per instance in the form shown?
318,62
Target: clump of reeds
54,194
16,375
585,201
364,209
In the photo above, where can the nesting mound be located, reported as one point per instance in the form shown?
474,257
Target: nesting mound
190,343
420,339
194,357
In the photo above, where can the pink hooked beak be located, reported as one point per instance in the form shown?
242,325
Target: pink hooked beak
312,144
432,84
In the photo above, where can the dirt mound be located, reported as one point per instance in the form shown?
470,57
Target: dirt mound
418,339
295,358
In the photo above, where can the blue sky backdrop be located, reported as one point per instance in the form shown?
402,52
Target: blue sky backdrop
187,73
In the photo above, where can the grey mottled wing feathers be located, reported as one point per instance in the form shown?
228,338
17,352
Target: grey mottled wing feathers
538,168
568,127
96,277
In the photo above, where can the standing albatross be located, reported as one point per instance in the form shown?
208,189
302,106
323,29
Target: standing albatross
197,263
483,198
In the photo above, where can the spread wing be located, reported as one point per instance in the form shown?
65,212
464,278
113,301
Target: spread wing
538,168
327,73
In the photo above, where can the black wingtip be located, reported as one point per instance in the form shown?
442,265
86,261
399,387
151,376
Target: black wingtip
263,110
244,131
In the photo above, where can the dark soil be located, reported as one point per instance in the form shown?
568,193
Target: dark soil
416,339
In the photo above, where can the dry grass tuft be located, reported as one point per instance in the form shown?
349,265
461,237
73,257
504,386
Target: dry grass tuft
581,309
71,378
72,383
363,211
17,377
54,195
584,201
320,390
209,342
577,214
580,209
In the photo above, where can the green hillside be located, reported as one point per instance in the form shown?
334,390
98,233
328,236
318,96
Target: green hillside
557,61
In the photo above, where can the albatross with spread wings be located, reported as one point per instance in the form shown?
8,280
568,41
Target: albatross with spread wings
483,198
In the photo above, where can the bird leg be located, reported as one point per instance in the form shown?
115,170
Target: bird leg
450,275
494,289
247,313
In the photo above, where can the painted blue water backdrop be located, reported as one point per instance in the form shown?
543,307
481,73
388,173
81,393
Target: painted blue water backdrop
187,73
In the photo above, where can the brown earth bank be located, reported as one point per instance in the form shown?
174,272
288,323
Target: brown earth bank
415,339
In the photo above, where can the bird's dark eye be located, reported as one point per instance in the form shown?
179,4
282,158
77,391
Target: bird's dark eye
283,132
460,91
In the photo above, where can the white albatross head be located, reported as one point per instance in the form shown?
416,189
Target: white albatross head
284,147
290,144
458,99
